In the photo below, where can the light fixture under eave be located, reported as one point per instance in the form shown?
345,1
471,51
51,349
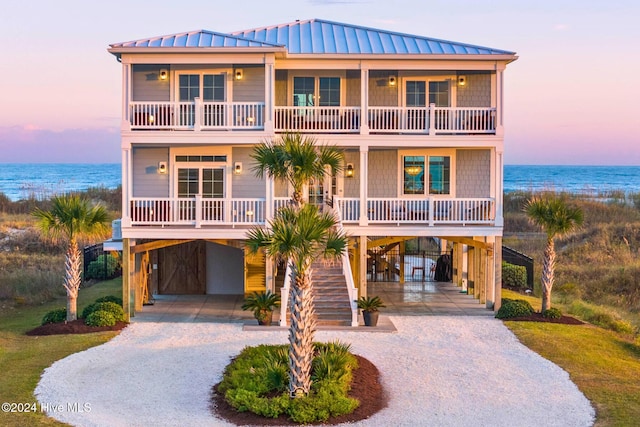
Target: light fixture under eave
237,168
462,80
413,170
162,167
349,171
392,81
239,74
164,74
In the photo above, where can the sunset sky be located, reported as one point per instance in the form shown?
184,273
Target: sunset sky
570,97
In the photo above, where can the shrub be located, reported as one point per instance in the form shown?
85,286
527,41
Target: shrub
552,313
106,266
55,316
514,308
257,379
514,276
111,307
100,318
110,298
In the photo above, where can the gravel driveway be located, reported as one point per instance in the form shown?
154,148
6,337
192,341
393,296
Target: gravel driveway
438,371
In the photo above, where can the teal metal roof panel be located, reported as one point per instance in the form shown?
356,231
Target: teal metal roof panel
316,36
198,38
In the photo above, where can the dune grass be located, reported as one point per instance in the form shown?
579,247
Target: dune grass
23,358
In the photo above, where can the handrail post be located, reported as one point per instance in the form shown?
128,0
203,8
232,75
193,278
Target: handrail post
198,114
432,119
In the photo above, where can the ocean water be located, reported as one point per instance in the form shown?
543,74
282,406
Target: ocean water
41,180
572,179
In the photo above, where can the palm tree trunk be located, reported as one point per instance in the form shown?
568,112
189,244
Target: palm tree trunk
301,333
548,268
72,279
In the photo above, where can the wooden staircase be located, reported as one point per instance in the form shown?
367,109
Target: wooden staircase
331,300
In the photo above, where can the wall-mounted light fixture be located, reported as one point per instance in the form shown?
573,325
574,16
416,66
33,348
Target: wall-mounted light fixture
392,81
238,73
462,80
163,74
162,167
237,168
349,171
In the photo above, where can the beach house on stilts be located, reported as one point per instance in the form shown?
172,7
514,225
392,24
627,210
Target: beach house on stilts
420,120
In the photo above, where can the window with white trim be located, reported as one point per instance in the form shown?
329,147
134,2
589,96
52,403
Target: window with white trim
426,175
316,91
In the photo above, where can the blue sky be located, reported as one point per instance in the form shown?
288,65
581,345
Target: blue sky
570,97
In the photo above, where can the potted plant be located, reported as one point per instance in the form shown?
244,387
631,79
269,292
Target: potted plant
262,304
369,307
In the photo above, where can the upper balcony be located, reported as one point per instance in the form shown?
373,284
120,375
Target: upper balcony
203,116
312,101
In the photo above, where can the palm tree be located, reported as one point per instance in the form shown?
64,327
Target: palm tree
296,159
300,235
556,218
71,217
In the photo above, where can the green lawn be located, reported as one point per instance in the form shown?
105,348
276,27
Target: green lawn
604,365
23,358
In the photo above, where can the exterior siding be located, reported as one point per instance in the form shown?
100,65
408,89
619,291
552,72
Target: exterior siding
246,184
353,88
476,92
281,87
251,87
473,173
147,182
147,86
352,185
380,93
383,175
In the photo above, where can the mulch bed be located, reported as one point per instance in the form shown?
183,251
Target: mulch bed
537,317
74,327
365,387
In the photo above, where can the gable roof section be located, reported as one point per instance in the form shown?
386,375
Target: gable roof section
317,36
198,38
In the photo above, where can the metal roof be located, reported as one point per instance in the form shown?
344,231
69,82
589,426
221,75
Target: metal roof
317,36
198,38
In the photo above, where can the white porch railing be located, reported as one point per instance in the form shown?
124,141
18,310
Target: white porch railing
432,120
317,119
196,115
196,211
430,210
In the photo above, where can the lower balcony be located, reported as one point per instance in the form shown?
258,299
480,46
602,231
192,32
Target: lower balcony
246,212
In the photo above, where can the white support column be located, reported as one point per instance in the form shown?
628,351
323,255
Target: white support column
269,93
499,187
497,262
500,101
364,101
127,185
127,90
491,274
269,200
364,185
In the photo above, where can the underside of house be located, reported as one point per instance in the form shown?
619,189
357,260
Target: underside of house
420,122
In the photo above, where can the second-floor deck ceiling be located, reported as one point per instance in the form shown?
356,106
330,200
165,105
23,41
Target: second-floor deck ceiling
312,37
